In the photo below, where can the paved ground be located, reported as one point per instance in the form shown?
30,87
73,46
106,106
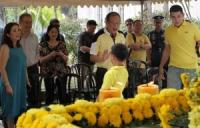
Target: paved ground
1,126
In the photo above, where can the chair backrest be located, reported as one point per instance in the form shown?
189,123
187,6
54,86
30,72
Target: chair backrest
83,70
153,73
73,85
87,81
136,64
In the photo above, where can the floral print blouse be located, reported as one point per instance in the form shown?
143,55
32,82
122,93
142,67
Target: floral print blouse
55,66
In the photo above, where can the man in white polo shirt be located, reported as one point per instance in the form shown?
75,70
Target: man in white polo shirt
29,42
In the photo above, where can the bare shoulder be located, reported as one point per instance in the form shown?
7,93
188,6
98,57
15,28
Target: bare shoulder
4,48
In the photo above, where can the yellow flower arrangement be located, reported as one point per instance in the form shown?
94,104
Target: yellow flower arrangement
194,117
112,112
191,83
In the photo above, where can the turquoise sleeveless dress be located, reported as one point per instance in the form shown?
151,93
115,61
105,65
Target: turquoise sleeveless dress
13,106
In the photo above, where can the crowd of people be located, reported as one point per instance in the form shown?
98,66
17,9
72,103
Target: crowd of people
171,50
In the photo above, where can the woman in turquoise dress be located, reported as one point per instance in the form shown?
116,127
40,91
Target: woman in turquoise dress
13,73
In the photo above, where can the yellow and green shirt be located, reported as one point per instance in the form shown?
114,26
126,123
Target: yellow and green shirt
141,54
117,77
129,39
182,41
103,41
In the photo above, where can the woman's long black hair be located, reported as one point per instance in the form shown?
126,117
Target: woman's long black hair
49,29
5,38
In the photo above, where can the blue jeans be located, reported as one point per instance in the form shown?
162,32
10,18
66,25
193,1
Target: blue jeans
173,76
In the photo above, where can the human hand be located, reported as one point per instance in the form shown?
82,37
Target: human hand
136,47
53,54
105,55
28,83
9,90
149,62
60,53
161,73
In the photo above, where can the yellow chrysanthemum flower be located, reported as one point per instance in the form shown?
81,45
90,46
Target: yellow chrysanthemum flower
115,120
67,126
20,120
52,125
67,116
115,109
165,116
92,108
35,123
41,112
103,120
57,108
194,117
77,117
148,113
91,118
104,110
136,105
53,118
138,115
185,79
125,106
126,117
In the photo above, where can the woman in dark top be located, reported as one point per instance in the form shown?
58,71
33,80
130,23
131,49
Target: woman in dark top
54,57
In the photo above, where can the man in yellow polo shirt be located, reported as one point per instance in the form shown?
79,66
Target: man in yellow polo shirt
139,50
180,41
142,43
103,41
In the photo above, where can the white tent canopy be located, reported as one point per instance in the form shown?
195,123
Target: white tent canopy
76,2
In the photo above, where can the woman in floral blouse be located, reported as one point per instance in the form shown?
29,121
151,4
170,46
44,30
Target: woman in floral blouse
54,57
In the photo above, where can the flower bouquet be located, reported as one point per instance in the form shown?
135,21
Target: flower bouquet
143,111
191,83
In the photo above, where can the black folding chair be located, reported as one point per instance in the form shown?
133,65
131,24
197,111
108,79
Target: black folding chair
87,80
137,70
73,84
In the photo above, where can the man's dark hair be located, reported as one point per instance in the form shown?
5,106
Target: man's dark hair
92,22
120,51
111,14
176,8
24,15
129,20
137,21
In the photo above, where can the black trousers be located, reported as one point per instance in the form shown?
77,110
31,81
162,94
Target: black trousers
33,91
99,77
57,83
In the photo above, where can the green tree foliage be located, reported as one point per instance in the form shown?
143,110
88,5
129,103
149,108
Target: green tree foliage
71,28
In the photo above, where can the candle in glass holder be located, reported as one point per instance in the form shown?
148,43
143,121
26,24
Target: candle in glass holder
109,93
150,88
